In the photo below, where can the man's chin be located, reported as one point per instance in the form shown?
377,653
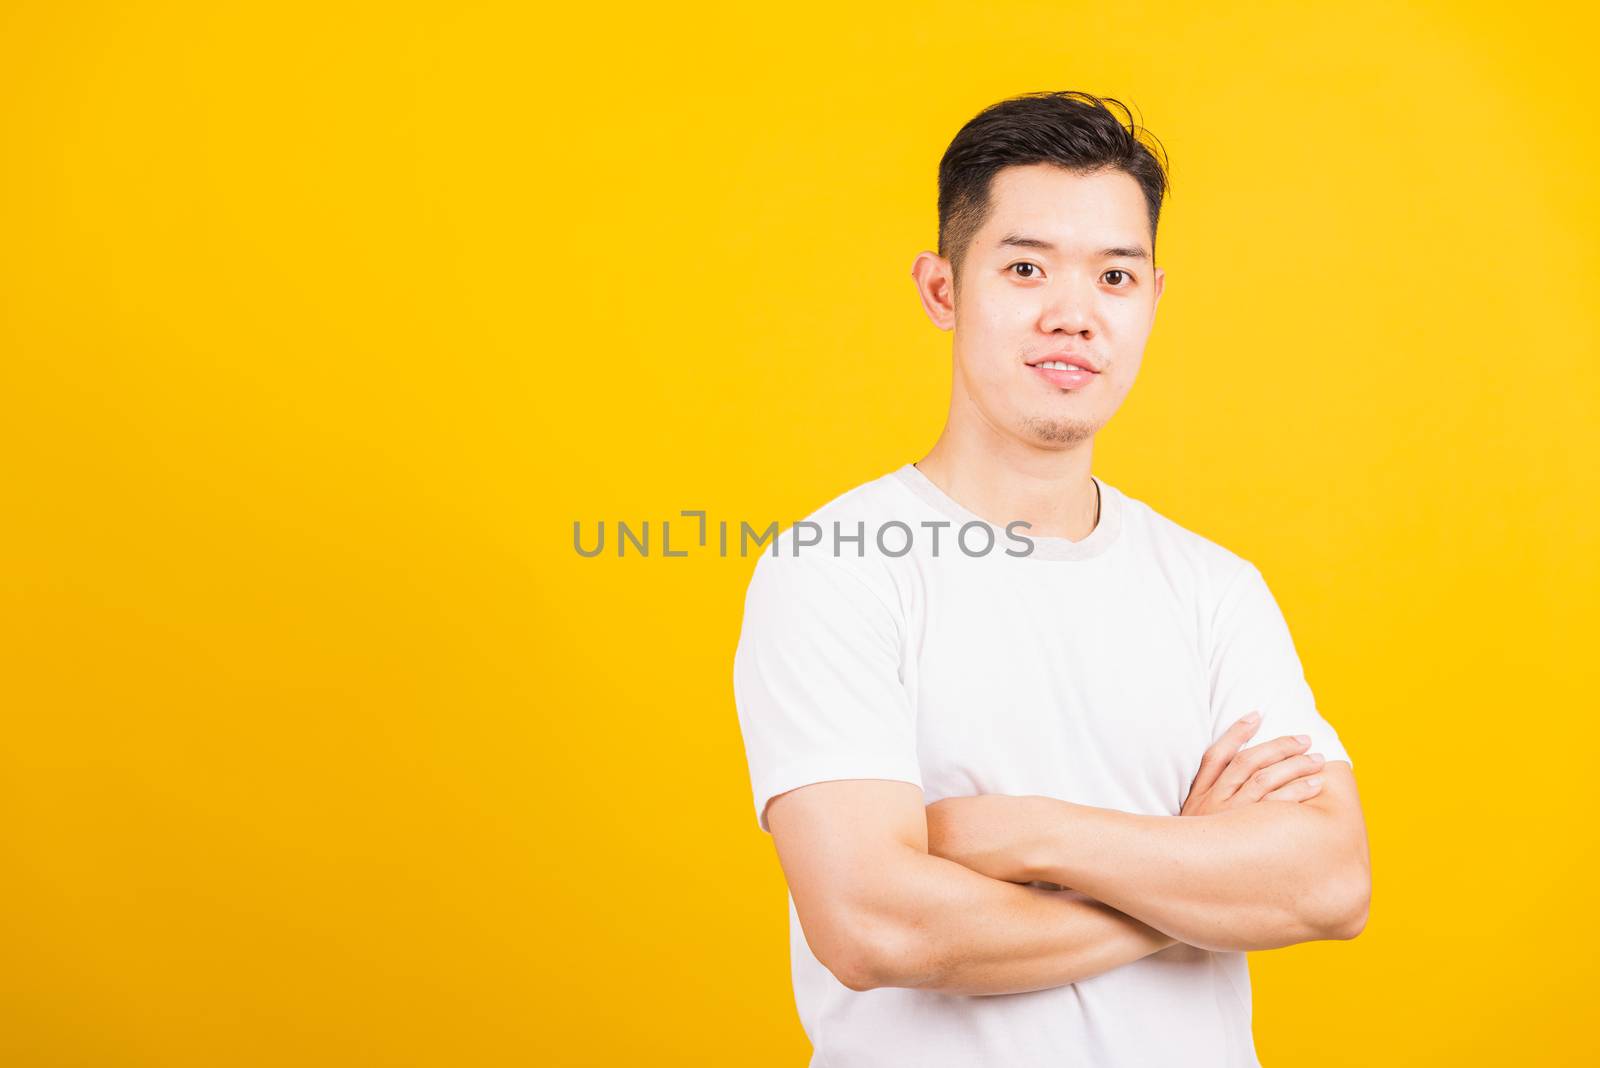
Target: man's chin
1059,433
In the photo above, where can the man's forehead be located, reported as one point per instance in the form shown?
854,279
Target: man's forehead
1102,241
1055,210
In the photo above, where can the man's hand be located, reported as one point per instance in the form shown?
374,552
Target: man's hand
1272,771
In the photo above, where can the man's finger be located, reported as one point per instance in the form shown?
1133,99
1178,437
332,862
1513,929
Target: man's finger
1299,790
1221,751
1278,774
1252,760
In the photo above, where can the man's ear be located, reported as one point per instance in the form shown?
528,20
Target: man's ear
1161,281
936,287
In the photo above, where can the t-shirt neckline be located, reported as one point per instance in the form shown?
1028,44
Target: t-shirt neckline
1093,544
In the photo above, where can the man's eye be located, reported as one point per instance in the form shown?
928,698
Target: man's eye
1123,274
1029,266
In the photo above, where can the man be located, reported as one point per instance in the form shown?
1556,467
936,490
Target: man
1023,771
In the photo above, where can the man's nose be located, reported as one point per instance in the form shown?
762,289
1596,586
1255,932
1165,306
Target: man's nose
1068,308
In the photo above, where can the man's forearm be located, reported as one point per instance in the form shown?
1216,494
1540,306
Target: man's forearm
959,932
1256,877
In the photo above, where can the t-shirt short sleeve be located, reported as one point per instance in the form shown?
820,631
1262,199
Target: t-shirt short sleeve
1254,667
816,679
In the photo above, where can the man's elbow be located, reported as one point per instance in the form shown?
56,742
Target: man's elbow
1341,911
877,954
1355,917
857,965
860,954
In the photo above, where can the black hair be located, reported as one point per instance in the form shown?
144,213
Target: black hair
1070,129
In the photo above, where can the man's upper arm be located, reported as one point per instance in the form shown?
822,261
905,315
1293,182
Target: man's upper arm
830,737
1255,667
816,677
843,845
1347,898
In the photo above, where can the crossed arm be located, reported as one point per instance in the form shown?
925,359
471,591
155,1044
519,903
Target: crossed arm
878,909
940,906
1256,877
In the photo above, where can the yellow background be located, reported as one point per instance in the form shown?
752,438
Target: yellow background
322,323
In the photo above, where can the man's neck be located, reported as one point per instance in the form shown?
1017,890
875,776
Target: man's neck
1006,481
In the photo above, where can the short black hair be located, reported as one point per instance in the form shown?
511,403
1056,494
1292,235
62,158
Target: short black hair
1075,130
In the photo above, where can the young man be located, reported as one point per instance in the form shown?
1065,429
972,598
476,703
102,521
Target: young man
1022,771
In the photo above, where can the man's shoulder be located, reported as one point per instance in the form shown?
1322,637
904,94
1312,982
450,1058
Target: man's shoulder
839,541
868,505
1177,546
883,497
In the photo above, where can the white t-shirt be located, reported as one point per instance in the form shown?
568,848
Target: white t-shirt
1095,671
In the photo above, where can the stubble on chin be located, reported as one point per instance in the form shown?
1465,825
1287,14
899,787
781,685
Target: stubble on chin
1059,433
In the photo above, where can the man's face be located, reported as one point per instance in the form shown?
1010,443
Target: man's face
1060,269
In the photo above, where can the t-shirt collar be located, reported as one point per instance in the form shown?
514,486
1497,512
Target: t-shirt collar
1094,543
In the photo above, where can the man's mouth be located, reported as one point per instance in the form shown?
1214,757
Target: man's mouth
1065,372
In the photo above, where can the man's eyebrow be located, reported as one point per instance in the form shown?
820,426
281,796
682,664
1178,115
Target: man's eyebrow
1128,252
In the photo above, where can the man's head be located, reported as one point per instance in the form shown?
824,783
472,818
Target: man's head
1048,207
